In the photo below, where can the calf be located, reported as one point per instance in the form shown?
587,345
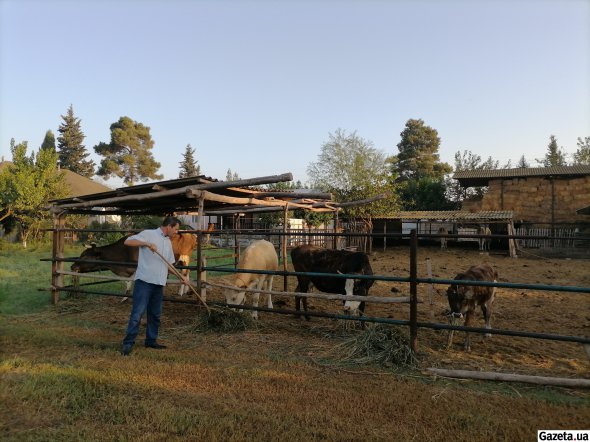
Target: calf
183,245
463,299
443,239
308,258
484,243
259,255
117,252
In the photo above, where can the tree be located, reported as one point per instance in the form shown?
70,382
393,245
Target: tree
189,166
352,169
582,155
554,156
72,153
467,160
426,193
48,141
129,154
523,163
231,176
418,153
28,185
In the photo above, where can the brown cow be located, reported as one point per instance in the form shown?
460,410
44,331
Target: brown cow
183,245
463,299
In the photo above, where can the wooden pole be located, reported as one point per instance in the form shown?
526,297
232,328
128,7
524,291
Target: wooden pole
505,377
57,279
284,245
413,291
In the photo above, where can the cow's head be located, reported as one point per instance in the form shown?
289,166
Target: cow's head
460,297
356,287
92,253
237,296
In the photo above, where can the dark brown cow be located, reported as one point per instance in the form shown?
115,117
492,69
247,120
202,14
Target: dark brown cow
463,299
117,252
182,245
308,258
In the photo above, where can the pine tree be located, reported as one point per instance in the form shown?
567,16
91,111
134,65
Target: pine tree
554,156
523,162
48,141
72,153
231,176
129,154
582,155
189,166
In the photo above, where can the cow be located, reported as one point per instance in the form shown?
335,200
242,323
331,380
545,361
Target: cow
463,299
443,239
183,245
484,243
309,258
259,255
116,251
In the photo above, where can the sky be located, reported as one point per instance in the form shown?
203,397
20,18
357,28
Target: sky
258,86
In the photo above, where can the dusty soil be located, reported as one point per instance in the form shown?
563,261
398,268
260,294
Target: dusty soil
549,312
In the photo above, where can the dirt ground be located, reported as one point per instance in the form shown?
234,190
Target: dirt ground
548,312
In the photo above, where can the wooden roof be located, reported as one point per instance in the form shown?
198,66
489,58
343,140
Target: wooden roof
468,178
187,194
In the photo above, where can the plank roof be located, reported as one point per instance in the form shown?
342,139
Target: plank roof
453,215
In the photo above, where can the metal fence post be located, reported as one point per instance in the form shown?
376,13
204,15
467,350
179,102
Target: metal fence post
413,291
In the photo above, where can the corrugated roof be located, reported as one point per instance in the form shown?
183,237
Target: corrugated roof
523,172
453,215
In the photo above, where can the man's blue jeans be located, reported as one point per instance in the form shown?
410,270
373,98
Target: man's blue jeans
148,297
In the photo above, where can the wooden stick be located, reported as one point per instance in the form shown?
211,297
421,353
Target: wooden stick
178,274
505,377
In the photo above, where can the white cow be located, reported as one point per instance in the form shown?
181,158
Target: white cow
259,255
443,239
484,243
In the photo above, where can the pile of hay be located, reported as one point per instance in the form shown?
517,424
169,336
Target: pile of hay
224,320
381,344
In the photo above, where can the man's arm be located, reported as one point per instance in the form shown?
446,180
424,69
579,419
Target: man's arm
140,243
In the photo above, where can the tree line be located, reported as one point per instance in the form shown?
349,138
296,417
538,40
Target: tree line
348,166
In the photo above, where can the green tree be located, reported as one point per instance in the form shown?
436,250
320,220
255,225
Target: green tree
582,155
129,154
48,141
426,193
352,169
189,166
554,156
72,153
467,160
27,186
418,153
523,163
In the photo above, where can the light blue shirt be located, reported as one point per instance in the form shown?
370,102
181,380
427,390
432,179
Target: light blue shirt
151,268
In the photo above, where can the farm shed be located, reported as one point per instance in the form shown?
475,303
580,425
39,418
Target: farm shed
541,195
455,222
194,194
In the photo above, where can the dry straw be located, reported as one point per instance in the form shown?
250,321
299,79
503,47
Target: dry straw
381,344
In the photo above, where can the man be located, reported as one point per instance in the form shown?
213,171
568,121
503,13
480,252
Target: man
150,279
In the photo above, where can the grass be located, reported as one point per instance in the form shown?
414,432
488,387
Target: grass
62,378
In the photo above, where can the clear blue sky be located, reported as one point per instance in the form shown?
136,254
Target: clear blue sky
258,86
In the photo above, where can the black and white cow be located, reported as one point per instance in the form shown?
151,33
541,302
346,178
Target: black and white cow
308,258
463,299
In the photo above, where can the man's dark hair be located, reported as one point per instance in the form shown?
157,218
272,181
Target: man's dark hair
170,221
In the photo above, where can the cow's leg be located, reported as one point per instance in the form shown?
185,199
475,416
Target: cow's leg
486,309
258,284
468,317
302,287
128,288
268,287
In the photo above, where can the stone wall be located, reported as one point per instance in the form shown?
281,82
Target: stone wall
531,199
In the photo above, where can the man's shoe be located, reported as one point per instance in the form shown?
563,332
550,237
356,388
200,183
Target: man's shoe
126,349
156,345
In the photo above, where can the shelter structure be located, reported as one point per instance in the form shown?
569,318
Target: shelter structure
463,224
541,195
193,194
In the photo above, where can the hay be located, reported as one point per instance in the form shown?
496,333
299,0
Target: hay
224,320
381,344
